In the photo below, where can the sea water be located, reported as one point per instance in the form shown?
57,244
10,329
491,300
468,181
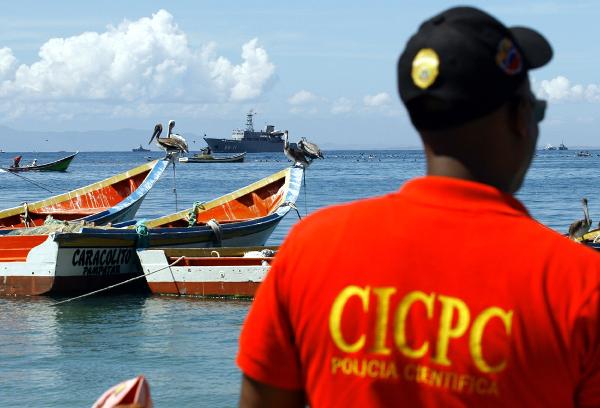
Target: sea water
69,354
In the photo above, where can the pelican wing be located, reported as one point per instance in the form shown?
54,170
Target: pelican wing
179,141
310,149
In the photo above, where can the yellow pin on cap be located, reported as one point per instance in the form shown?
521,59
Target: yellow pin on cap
425,68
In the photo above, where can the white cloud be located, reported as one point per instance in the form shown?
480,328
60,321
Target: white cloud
302,97
561,89
7,62
380,99
342,105
144,61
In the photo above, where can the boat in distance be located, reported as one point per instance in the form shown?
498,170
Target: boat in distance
94,258
206,272
209,158
114,199
140,149
57,165
248,140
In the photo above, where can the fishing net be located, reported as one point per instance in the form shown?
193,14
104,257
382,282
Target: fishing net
51,225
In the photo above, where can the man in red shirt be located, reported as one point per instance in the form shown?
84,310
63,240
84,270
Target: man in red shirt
446,292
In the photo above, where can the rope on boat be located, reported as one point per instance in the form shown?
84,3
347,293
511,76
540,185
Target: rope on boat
118,284
30,181
305,200
217,231
25,216
192,215
143,238
292,205
174,183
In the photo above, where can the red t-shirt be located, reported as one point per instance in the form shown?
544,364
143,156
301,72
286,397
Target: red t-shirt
445,293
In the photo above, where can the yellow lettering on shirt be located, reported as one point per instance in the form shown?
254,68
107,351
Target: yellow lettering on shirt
400,323
476,337
381,323
335,317
454,324
446,330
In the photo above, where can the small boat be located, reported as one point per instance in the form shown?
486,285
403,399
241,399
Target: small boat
57,165
562,147
206,272
115,199
140,149
94,258
209,158
134,392
583,153
549,147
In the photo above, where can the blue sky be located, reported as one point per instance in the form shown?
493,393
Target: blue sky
324,70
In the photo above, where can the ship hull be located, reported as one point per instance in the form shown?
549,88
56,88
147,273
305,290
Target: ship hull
248,146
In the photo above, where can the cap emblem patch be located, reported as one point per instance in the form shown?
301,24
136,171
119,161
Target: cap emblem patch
425,68
508,57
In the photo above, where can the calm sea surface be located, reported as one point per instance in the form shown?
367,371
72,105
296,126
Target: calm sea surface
68,355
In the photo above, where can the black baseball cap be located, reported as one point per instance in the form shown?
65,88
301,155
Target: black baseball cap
463,64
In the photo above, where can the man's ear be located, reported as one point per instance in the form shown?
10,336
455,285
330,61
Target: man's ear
519,117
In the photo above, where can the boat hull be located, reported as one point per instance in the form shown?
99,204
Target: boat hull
95,258
226,276
58,165
75,263
49,268
233,159
240,146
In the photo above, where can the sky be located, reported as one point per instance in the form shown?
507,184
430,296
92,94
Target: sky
324,70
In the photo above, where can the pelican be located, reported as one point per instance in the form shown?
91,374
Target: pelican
172,143
580,227
294,153
180,139
310,149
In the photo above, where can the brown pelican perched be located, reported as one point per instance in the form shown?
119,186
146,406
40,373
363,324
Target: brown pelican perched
301,154
580,227
172,143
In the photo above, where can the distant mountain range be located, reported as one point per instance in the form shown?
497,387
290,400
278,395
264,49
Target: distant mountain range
12,140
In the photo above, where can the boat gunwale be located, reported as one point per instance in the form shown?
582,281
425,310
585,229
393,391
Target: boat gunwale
80,191
223,199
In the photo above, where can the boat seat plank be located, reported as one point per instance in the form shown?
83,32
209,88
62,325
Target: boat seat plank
222,261
204,252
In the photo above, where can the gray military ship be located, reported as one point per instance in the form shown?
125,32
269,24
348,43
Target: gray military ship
248,140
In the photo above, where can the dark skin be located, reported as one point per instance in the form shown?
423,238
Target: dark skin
496,149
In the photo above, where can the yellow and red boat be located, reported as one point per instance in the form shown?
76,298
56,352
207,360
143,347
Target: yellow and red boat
93,258
115,199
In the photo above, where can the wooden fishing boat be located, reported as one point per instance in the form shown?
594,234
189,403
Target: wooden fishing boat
209,158
114,199
93,258
57,165
206,272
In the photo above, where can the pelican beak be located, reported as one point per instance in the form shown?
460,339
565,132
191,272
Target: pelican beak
157,130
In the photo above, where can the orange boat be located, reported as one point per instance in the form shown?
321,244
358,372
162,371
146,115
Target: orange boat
206,272
94,258
114,199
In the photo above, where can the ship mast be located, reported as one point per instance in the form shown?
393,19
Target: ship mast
249,125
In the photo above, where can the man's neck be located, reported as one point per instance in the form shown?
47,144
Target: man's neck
448,166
